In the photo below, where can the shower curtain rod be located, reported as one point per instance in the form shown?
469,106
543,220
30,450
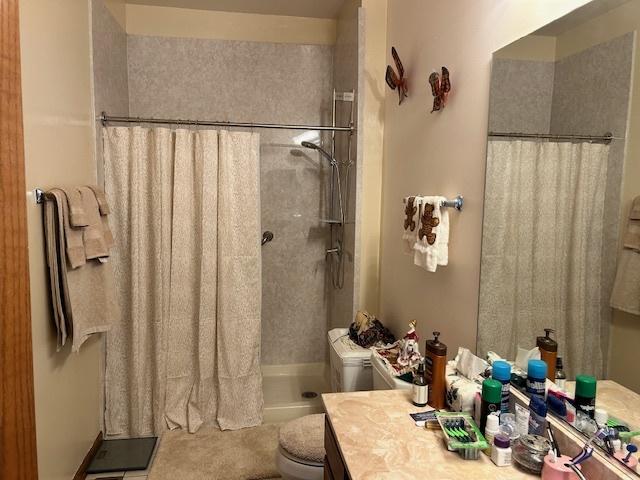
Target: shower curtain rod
105,119
606,138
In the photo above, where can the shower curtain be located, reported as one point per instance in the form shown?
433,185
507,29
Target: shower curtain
184,350
541,250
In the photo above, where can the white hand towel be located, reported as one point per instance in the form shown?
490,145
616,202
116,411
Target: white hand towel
442,240
425,249
411,222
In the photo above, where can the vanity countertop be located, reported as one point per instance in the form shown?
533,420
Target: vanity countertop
378,440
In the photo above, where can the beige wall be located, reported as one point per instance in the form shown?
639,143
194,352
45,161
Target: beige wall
444,153
372,89
58,134
185,22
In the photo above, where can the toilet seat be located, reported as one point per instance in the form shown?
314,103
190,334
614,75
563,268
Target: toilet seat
292,468
300,453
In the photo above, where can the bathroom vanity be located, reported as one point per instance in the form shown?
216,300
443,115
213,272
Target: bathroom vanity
371,435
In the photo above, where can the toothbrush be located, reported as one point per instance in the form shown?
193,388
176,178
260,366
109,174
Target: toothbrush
631,449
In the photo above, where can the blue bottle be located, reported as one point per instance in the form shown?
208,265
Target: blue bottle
537,415
502,373
536,377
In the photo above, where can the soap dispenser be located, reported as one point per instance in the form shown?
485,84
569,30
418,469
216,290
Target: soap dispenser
548,352
436,363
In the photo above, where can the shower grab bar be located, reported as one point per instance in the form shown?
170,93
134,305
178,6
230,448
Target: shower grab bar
456,202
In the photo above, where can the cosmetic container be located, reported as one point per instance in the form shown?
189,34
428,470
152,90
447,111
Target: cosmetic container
501,451
537,415
490,402
548,352
585,398
536,377
522,420
561,377
420,387
491,429
436,364
502,373
529,451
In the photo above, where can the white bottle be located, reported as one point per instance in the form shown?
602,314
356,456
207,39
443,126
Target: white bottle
501,451
491,429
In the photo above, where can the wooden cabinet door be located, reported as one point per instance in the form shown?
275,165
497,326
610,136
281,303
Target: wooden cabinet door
17,417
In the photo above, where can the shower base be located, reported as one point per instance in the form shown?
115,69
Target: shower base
288,390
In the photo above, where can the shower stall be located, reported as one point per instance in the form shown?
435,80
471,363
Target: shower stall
308,178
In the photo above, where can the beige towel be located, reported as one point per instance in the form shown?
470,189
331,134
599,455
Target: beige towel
78,217
73,244
105,210
87,292
632,234
95,245
626,289
101,198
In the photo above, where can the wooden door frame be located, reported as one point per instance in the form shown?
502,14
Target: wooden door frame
18,459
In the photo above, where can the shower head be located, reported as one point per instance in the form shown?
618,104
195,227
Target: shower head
313,146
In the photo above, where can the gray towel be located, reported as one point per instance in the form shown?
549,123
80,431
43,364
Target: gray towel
52,251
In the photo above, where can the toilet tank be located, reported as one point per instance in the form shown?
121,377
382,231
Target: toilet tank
350,363
383,380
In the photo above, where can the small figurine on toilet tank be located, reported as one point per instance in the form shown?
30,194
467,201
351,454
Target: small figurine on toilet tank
409,348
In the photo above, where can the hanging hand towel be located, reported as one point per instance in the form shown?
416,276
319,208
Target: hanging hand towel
105,210
410,233
425,249
77,215
626,289
73,243
92,235
632,234
442,239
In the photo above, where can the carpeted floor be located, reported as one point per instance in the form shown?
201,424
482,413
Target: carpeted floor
210,454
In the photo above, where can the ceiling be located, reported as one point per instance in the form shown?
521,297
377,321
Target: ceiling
294,8
579,16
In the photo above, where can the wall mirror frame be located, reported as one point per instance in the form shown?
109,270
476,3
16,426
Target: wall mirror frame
561,241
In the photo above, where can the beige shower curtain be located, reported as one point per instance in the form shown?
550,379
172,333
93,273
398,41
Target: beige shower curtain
541,250
185,347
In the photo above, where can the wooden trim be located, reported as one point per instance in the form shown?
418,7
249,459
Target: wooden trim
81,474
18,459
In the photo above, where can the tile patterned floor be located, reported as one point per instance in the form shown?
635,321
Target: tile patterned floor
132,475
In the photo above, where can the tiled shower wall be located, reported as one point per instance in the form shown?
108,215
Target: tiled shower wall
250,82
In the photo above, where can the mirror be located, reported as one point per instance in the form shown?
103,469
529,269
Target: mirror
559,250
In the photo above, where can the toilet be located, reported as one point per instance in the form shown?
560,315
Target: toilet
300,454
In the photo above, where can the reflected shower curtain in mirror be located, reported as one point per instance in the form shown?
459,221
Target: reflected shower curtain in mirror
541,250
184,350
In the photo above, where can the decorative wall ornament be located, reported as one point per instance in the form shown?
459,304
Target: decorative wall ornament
440,88
397,81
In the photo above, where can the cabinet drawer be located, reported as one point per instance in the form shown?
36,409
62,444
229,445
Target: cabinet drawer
333,457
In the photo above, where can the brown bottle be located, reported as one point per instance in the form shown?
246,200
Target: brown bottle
548,352
436,362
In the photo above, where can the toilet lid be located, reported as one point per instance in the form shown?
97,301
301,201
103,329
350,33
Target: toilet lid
303,438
